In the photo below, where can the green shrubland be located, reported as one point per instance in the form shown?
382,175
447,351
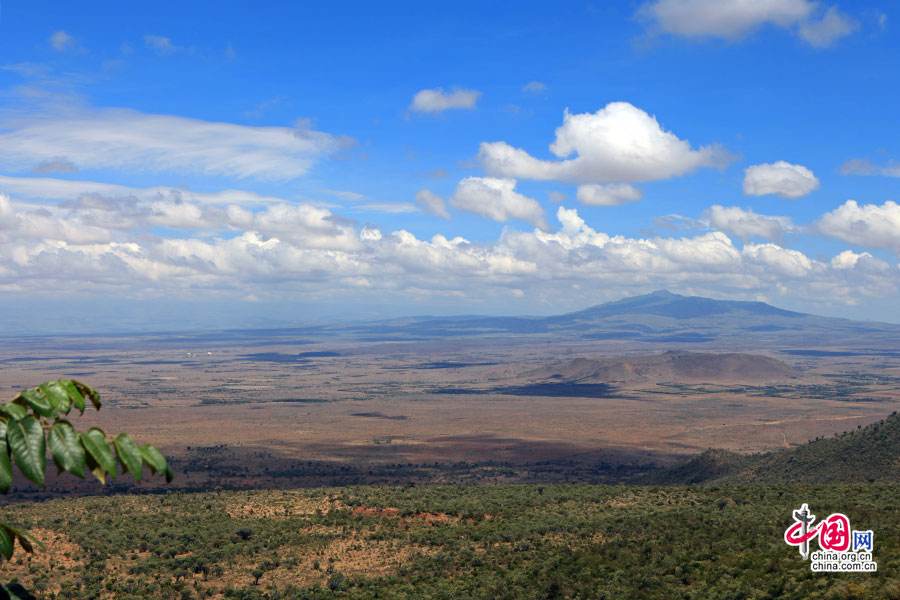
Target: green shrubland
444,542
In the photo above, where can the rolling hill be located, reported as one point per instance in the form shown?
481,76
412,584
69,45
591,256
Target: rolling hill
868,454
671,366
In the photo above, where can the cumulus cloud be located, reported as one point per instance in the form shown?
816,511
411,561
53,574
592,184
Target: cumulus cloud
612,194
432,204
437,100
138,141
781,178
618,143
734,19
304,251
497,199
782,261
746,224
869,225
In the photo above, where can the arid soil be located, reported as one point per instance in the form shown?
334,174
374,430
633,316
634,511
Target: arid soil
252,411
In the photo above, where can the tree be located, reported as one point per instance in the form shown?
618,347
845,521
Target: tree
34,419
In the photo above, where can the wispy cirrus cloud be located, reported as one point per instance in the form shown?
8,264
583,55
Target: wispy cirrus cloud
160,44
432,204
135,141
62,41
534,87
49,188
864,166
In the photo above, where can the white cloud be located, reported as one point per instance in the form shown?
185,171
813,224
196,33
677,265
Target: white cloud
734,19
864,166
437,100
746,224
534,87
435,174
161,45
57,165
62,41
299,251
618,143
832,26
612,194
497,199
346,195
390,207
432,204
556,197
870,225
137,141
724,18
782,261
47,188
781,178
848,259
117,209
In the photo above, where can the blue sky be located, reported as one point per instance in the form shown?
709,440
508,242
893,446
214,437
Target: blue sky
216,164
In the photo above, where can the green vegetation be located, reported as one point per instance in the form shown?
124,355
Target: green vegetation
867,454
447,542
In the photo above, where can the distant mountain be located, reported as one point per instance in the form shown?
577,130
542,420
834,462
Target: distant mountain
659,317
672,366
868,454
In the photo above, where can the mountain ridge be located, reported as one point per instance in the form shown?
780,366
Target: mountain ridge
658,317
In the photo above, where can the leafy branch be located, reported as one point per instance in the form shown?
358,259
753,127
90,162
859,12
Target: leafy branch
34,419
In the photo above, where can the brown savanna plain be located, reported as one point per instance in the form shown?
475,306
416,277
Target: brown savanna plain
253,411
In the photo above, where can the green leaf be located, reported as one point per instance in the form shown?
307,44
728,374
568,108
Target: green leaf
75,396
154,459
57,396
169,474
15,591
6,543
37,401
25,540
130,455
66,448
26,441
100,459
88,392
14,410
5,464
